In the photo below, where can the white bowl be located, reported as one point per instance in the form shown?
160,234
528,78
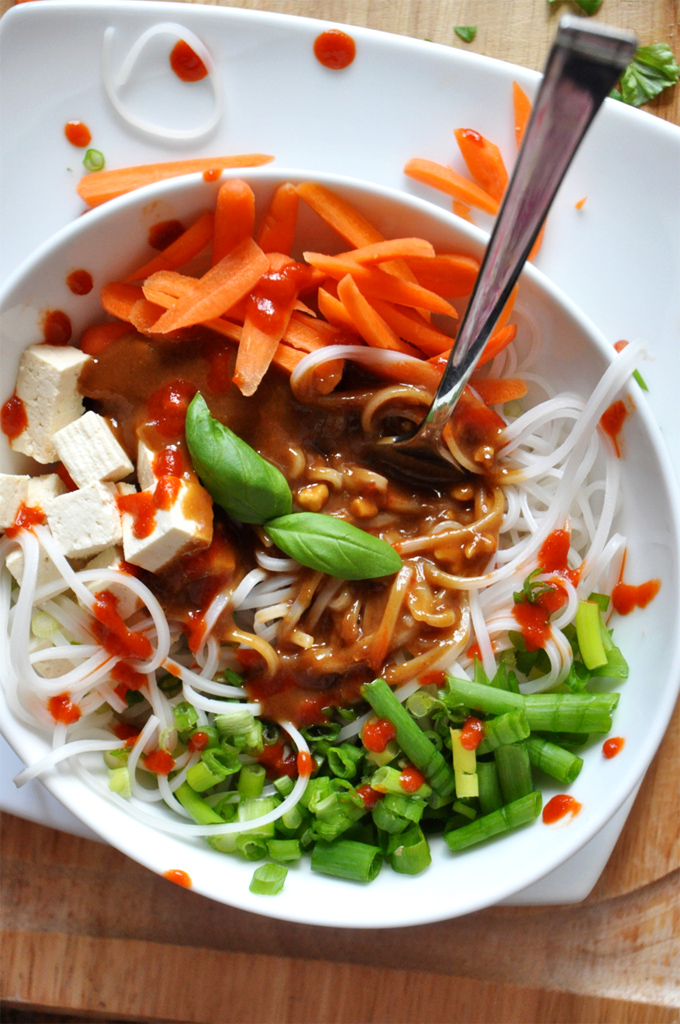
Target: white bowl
108,242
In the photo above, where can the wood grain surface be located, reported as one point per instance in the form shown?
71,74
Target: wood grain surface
88,932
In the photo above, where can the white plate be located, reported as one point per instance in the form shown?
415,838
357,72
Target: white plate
622,269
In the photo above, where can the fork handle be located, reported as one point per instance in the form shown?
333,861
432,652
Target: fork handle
584,64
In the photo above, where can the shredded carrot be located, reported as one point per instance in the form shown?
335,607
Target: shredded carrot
411,327
368,323
277,231
100,186
499,340
118,298
334,311
375,283
98,337
447,274
339,214
144,315
581,203
184,249
484,161
462,210
393,249
309,333
495,391
447,180
258,344
222,286
234,217
522,107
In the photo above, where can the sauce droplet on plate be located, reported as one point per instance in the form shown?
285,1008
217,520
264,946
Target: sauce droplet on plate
80,282
559,807
164,233
78,134
179,877
186,63
334,49
613,746
56,328
13,418
626,597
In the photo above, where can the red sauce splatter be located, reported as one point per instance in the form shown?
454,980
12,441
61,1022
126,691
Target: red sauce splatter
370,796
63,710
411,779
620,345
276,763
25,518
126,733
534,622
199,741
559,807
474,651
612,746
168,462
212,174
625,597
56,328
472,136
217,353
553,554
164,233
305,764
166,492
142,509
377,734
80,282
65,477
434,678
472,733
160,762
98,337
13,418
179,877
78,134
124,673
174,670
334,49
194,630
268,304
612,421
186,64
112,633
167,407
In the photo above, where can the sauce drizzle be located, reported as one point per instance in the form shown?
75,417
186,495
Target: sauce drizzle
334,49
613,746
559,807
78,134
186,63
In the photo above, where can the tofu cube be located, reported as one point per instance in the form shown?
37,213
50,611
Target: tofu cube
86,521
47,384
183,528
112,558
145,474
126,489
50,668
13,494
46,570
90,451
42,489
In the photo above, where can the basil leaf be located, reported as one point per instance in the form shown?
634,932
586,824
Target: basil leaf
589,6
652,70
246,486
333,546
466,32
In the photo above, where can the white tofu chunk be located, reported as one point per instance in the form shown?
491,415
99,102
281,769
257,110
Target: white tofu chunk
86,521
112,558
47,384
42,489
90,451
47,573
51,668
183,528
13,494
126,489
145,474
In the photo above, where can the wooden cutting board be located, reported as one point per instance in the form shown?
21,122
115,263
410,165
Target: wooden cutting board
87,931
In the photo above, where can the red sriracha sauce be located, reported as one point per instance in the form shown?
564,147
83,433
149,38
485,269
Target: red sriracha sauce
80,282
370,796
472,733
167,407
552,556
111,632
78,134
411,779
142,508
160,762
13,418
612,421
63,710
126,733
334,49
199,741
305,764
625,597
57,329
186,63
612,747
179,877
559,807
25,518
377,734
124,673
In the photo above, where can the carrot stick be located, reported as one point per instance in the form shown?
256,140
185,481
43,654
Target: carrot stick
522,105
332,308
234,217
259,343
484,161
98,337
144,315
462,210
100,186
447,274
277,230
393,249
447,180
285,357
219,289
339,214
410,327
497,342
181,251
496,391
309,333
368,323
375,283
118,298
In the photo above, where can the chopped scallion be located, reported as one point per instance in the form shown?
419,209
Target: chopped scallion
268,879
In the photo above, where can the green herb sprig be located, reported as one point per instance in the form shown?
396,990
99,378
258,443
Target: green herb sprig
466,32
653,69
252,490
